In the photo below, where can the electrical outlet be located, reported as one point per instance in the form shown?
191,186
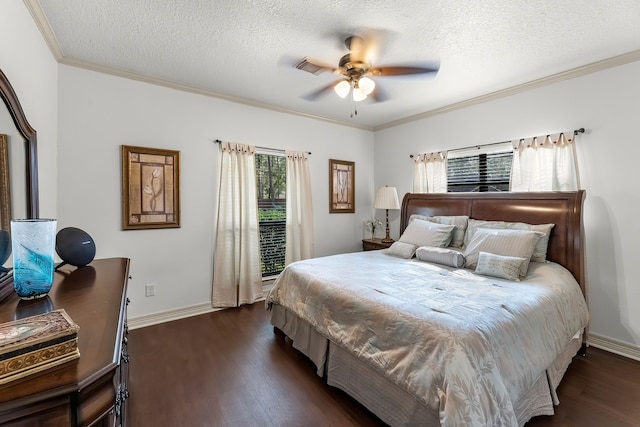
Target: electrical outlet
150,290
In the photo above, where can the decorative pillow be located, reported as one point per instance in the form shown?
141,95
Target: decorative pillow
504,267
540,251
426,233
442,256
402,250
459,222
516,243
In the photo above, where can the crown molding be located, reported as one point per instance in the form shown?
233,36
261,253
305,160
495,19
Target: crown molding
555,78
43,25
545,81
200,91
35,9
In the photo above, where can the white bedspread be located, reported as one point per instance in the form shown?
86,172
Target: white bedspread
469,346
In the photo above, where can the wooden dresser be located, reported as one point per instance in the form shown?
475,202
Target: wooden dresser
91,390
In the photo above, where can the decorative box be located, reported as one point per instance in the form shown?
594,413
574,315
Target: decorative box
36,343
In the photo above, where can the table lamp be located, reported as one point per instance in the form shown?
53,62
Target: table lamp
387,198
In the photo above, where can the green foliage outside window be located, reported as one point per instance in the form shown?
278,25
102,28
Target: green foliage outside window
272,214
271,186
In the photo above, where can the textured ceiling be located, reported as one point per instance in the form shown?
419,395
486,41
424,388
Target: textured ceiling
244,49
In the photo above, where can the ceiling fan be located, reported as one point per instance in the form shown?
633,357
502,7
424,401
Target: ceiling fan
357,71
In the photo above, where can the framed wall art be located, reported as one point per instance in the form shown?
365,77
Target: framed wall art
341,186
150,188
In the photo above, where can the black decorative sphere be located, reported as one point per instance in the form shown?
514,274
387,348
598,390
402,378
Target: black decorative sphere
75,247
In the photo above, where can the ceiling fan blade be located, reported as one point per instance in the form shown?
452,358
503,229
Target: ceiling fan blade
354,43
401,70
313,66
363,49
322,91
370,42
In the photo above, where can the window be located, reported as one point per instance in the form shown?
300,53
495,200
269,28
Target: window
271,193
482,169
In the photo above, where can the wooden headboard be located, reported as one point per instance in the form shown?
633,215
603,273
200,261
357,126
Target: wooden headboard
564,209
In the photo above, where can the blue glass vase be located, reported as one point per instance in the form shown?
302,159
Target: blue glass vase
33,243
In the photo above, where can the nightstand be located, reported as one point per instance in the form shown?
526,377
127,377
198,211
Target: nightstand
374,244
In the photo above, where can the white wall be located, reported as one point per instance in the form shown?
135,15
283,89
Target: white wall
98,113
80,173
606,104
28,64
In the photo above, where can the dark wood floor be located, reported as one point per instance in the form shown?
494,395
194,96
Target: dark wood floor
227,368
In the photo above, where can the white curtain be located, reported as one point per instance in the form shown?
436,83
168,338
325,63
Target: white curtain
430,173
299,234
237,276
544,163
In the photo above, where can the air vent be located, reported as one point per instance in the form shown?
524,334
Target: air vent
309,67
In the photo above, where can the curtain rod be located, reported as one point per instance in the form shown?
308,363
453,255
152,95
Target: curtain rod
575,132
217,141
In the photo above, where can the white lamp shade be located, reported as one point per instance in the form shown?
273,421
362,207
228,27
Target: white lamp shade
366,85
358,95
386,198
342,88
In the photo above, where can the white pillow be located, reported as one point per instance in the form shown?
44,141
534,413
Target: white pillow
426,233
501,266
402,250
442,256
540,251
459,221
516,243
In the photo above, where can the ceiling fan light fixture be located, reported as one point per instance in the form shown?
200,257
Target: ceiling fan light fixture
342,88
358,94
366,85
356,71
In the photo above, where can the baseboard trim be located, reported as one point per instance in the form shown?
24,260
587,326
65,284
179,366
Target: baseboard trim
614,346
169,315
175,314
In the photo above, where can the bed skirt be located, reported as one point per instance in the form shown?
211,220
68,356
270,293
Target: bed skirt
304,337
389,402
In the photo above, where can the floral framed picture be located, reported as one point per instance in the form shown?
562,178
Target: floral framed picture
150,188
341,186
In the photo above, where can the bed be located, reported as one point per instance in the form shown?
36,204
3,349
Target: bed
424,343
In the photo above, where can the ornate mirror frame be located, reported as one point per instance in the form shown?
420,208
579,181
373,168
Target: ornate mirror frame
30,141
5,185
